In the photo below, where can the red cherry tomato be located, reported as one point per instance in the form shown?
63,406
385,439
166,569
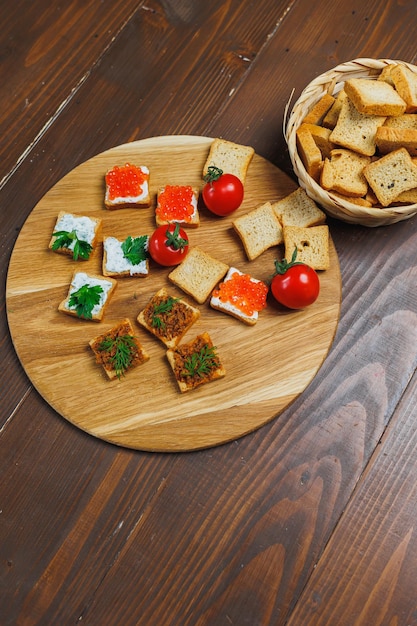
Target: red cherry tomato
295,285
222,193
168,244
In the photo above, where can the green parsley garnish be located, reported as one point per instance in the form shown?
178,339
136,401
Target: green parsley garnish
201,363
134,249
160,309
124,348
63,239
85,299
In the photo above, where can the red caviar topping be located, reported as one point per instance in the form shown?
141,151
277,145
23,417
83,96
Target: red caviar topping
125,181
175,203
243,292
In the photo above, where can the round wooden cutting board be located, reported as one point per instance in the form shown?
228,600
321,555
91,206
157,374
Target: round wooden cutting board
268,365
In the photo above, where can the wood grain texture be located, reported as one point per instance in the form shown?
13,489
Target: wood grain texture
299,53
145,409
132,93
367,573
46,54
97,534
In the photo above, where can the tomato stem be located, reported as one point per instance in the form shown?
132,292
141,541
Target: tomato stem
213,173
174,240
283,266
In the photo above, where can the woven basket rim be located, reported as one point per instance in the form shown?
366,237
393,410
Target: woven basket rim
332,81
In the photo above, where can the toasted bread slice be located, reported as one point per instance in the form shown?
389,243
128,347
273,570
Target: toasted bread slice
106,348
405,81
168,318
373,97
319,109
391,175
177,203
241,296
76,302
385,74
343,173
408,120
312,245
407,197
198,274
358,201
195,363
127,186
298,209
389,139
230,157
116,257
83,235
309,152
321,136
258,230
356,131
331,117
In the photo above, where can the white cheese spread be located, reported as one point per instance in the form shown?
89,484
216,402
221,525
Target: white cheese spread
116,261
80,279
84,227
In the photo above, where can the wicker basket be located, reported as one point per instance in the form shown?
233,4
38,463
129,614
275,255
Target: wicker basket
331,82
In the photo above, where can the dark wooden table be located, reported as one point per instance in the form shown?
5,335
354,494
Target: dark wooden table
312,519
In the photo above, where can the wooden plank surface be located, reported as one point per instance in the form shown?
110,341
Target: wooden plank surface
262,377
374,543
47,52
234,534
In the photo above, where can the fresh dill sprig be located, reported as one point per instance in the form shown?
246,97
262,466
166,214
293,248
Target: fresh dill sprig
201,363
124,347
85,299
160,309
134,249
63,239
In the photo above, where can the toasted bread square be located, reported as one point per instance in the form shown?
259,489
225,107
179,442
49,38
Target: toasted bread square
258,230
309,152
177,203
343,173
106,348
321,136
298,209
82,281
127,186
195,363
389,139
319,109
405,81
230,157
356,131
408,120
82,231
168,318
391,175
331,117
385,74
117,264
198,274
366,202
312,245
241,296
374,97
407,197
